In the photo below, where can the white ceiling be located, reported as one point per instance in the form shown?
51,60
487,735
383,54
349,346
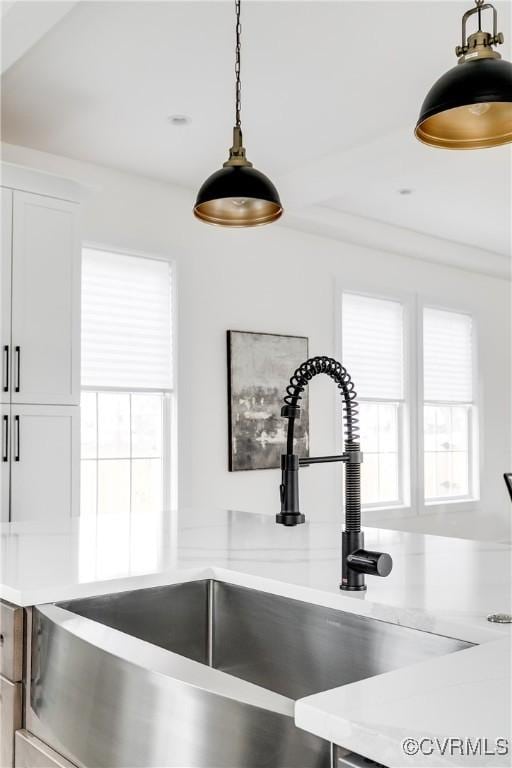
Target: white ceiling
331,92
460,196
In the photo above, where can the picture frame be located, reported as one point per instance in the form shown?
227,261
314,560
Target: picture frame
260,366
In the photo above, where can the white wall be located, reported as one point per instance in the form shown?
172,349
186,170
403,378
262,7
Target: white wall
278,280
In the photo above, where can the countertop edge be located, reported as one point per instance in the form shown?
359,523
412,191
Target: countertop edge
335,715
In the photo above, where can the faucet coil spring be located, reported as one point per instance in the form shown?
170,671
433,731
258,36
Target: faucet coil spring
311,368
336,371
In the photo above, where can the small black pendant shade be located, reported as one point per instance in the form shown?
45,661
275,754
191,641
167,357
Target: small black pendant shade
238,195
470,106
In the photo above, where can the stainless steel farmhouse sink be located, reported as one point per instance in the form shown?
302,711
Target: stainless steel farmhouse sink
201,674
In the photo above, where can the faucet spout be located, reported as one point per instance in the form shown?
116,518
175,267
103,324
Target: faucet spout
356,561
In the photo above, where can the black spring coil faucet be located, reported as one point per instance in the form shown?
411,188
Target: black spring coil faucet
355,560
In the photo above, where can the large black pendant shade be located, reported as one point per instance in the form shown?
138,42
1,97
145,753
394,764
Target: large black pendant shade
470,106
238,195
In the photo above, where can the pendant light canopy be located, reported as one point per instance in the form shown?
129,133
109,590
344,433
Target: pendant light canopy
470,106
238,195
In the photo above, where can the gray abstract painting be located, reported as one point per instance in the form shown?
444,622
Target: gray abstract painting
259,368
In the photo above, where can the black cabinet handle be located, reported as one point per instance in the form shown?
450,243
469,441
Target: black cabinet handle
17,352
17,446
5,452
508,480
6,368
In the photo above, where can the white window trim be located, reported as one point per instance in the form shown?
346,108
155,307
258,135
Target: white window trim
412,410
170,410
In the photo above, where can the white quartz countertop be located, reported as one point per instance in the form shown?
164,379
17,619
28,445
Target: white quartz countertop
416,716
442,585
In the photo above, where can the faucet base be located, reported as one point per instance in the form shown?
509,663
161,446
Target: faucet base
357,588
351,580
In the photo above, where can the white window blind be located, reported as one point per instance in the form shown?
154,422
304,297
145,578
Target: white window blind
126,322
373,345
447,356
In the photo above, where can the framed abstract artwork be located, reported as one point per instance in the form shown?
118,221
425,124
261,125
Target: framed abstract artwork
259,368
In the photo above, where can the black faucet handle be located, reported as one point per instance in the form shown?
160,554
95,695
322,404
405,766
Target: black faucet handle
371,563
356,562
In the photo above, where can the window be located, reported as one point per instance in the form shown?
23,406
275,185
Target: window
127,391
373,353
448,405
404,393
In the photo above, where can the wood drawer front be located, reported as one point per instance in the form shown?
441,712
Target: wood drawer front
10,719
11,641
31,752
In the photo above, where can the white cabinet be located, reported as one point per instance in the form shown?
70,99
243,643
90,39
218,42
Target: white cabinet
39,463
5,460
45,301
44,457
40,346
5,295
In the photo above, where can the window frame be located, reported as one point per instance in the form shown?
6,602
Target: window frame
402,479
411,412
470,501
170,395
406,458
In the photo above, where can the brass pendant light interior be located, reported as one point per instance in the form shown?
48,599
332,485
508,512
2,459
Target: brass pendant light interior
470,106
238,212
467,128
238,195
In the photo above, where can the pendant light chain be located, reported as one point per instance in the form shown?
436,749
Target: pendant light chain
238,87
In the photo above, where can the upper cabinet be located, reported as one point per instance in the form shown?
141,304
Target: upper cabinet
40,346
45,301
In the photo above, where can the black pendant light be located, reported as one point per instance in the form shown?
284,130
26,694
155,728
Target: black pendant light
238,195
470,106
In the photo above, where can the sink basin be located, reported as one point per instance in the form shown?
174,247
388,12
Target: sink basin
202,674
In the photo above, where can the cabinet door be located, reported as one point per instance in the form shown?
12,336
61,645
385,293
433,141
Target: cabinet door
45,462
11,645
10,719
45,301
5,294
33,753
5,460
